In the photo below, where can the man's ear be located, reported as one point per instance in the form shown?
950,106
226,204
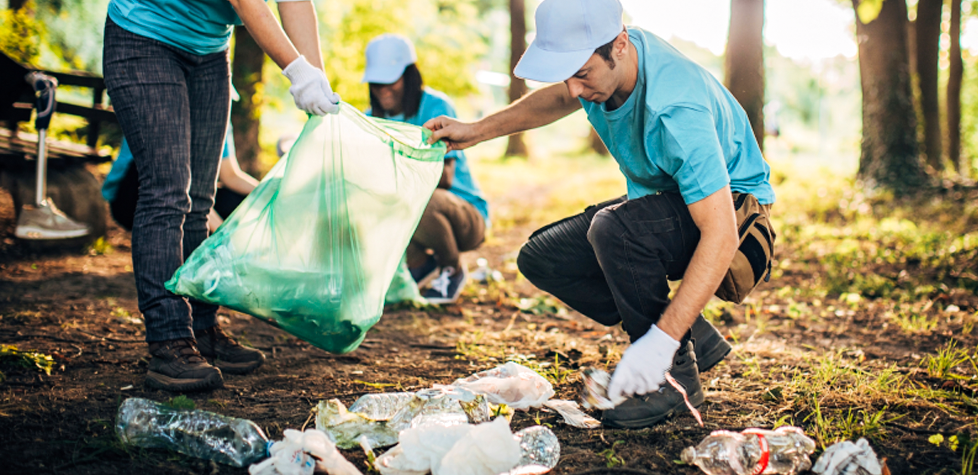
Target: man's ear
621,41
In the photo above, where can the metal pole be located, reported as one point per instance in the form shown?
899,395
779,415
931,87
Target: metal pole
42,165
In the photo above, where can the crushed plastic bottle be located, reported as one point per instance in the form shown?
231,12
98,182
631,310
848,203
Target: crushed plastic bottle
847,458
752,452
201,434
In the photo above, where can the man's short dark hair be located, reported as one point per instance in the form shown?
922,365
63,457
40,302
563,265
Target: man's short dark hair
605,52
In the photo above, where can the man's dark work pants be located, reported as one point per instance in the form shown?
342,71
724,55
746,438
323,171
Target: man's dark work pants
613,262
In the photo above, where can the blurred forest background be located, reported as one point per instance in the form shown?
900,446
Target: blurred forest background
811,109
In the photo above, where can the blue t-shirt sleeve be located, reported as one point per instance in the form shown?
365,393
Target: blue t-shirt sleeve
437,106
684,141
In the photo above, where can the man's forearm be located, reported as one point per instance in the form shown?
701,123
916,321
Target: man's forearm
711,259
264,28
536,109
301,25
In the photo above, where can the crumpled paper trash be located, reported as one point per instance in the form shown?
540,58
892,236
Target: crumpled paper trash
847,458
302,453
512,384
572,414
484,449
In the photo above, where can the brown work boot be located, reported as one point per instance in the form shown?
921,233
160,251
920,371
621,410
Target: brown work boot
227,354
178,366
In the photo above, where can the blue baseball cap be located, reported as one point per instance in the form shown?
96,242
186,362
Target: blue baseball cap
568,32
387,56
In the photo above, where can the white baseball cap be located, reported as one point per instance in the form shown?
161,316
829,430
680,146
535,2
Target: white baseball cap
387,56
568,32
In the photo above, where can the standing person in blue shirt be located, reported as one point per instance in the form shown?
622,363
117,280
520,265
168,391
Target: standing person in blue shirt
456,216
166,71
684,145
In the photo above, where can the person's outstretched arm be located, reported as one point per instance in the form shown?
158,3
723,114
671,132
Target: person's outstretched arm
298,53
536,109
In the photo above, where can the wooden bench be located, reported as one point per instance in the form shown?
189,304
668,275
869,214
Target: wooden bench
71,184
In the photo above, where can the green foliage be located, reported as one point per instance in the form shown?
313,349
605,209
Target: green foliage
612,459
12,357
868,10
181,402
445,34
947,358
19,33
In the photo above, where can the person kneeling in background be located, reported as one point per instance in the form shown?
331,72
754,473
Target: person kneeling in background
456,217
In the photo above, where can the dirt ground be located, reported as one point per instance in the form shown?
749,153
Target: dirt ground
81,309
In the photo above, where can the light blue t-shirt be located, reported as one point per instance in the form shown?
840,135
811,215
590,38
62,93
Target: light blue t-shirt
680,130
195,26
110,187
434,104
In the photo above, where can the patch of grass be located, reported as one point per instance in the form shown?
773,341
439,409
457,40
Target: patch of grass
611,458
100,247
553,372
10,356
913,322
940,366
181,402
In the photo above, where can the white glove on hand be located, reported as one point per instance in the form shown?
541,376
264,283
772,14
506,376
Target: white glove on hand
643,367
310,88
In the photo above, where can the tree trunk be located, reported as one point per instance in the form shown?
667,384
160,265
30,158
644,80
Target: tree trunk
517,86
954,92
889,155
928,32
246,75
744,63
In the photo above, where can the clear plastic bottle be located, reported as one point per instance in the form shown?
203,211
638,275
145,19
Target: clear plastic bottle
202,434
752,452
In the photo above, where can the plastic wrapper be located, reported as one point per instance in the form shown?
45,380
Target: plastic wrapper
345,428
380,417
511,384
572,414
403,287
426,449
847,458
303,453
314,248
595,394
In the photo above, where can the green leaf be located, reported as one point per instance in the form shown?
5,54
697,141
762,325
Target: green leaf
868,10
936,439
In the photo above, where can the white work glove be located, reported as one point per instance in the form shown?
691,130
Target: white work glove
310,88
643,367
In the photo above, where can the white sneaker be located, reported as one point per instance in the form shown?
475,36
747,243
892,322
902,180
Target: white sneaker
47,222
447,286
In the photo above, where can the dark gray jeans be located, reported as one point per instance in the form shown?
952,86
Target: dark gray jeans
173,107
613,262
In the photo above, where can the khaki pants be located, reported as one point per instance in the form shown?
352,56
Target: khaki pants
449,226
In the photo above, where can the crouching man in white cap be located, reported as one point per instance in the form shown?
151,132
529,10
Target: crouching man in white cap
684,145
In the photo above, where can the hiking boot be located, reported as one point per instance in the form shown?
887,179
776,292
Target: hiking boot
177,366
425,272
227,354
649,409
710,345
447,287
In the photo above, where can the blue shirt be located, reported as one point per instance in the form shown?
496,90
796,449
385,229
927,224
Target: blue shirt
434,104
110,187
195,26
680,130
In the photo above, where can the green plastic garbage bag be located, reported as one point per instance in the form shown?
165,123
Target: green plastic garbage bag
314,247
403,288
